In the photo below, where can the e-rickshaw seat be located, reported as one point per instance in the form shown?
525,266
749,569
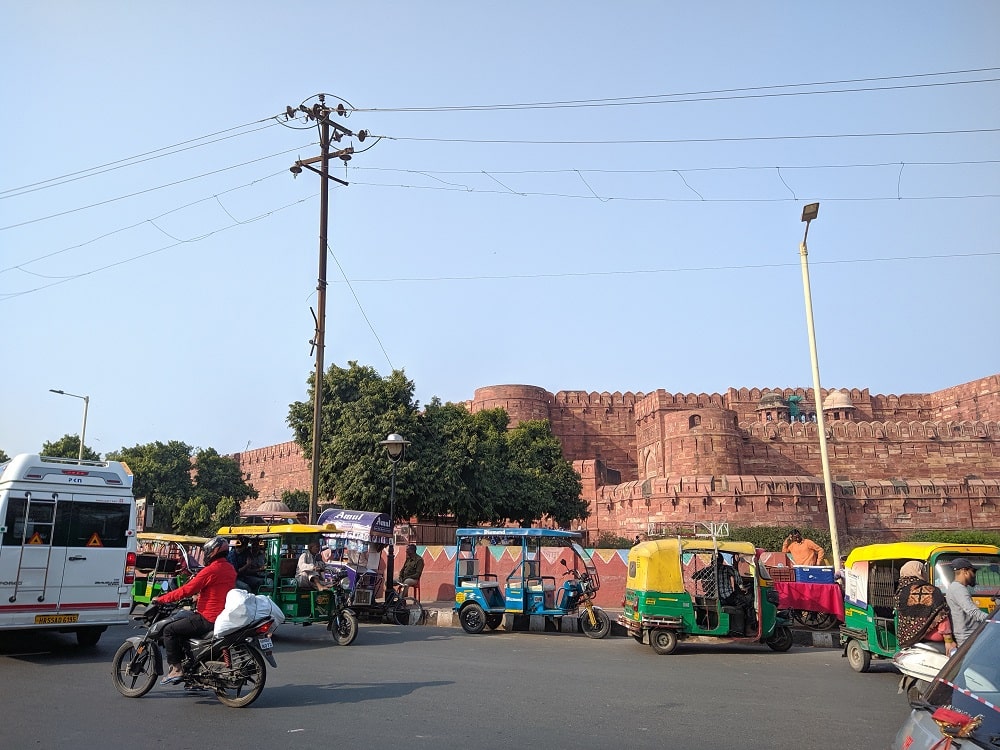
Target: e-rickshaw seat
287,567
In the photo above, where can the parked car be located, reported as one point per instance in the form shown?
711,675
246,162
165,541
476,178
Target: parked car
963,701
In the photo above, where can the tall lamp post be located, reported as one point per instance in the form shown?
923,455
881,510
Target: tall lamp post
86,403
809,213
395,447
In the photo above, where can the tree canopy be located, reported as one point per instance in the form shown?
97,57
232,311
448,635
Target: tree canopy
191,492
68,446
469,467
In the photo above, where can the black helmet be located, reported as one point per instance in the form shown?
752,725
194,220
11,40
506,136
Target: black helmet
215,547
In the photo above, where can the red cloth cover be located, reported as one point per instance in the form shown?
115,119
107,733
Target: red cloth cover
815,597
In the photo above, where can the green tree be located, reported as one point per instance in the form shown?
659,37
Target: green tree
68,446
193,518
162,475
4,457
359,409
296,500
227,513
547,482
469,466
217,477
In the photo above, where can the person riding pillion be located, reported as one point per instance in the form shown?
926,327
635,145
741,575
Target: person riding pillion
211,584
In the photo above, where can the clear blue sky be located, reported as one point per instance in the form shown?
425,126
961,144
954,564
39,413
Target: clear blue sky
157,255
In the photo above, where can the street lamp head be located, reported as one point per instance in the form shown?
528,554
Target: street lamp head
53,390
810,211
394,445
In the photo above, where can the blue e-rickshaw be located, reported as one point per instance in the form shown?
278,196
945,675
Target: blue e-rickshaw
482,599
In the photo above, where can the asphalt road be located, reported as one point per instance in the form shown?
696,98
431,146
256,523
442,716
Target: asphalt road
428,687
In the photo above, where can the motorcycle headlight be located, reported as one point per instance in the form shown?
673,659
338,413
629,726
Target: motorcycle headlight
345,583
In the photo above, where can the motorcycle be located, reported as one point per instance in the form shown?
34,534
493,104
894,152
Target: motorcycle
231,665
919,665
343,623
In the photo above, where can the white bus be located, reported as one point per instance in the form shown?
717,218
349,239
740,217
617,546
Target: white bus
67,545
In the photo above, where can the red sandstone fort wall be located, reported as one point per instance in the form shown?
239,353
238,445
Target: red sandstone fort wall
910,461
274,470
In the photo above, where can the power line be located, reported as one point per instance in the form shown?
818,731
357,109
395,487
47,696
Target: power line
711,94
647,141
649,271
149,190
128,161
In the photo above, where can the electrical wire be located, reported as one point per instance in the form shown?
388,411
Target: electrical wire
669,98
150,190
649,141
127,162
361,307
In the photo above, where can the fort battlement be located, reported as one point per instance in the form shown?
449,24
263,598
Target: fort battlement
898,461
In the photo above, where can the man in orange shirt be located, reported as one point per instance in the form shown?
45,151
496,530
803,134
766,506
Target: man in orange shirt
803,551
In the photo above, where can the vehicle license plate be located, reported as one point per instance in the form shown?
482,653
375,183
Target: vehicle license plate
55,619
264,643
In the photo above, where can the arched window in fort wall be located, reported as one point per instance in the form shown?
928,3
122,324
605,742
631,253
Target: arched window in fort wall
694,421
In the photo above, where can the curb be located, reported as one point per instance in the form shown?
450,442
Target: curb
441,615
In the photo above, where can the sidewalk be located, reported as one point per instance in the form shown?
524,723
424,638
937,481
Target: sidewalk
441,614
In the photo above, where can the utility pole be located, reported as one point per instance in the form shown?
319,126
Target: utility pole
329,131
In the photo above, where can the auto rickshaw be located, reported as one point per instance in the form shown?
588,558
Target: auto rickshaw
481,602
163,562
871,577
282,544
675,589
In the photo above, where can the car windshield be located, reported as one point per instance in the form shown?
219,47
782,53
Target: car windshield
970,683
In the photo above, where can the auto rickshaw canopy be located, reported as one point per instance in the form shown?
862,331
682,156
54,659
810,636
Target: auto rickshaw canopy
657,566
915,551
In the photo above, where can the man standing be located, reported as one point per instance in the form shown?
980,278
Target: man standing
802,551
965,615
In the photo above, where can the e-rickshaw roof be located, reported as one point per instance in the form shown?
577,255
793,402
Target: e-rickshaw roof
144,536
499,531
916,551
359,524
278,529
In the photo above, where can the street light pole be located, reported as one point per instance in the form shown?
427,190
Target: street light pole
395,446
86,405
809,213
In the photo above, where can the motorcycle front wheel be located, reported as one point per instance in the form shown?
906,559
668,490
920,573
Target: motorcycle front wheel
601,625
245,678
134,669
344,628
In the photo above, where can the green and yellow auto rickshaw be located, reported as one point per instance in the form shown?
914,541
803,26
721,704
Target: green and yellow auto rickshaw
164,562
282,544
871,577
682,588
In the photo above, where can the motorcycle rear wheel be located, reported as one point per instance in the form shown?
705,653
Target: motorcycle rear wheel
248,674
133,669
344,628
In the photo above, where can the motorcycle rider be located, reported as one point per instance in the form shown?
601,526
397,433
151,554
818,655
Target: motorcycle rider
211,584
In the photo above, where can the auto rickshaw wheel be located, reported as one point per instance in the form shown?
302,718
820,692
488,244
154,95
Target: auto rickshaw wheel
473,618
859,658
493,621
781,639
663,641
